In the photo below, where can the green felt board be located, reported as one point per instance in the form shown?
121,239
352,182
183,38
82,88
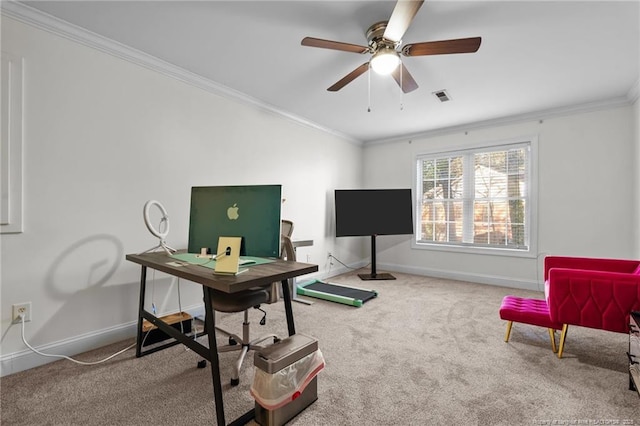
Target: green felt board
208,263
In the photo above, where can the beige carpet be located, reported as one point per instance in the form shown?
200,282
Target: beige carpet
425,351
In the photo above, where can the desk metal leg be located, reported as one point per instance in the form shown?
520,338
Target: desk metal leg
288,308
213,354
210,353
294,296
143,285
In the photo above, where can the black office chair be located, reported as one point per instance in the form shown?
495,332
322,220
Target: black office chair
243,302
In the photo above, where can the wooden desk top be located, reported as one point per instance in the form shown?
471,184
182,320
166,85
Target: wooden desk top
255,276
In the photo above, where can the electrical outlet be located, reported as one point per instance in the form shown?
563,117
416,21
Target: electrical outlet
21,308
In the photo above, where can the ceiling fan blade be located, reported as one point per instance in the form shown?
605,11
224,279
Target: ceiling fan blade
401,18
334,45
406,81
443,47
349,77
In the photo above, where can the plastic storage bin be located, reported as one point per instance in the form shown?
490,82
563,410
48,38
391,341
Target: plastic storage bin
285,380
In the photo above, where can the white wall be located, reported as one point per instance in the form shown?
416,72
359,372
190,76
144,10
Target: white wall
636,138
587,189
101,137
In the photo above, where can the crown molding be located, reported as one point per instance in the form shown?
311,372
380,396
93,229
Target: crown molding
59,27
513,119
634,93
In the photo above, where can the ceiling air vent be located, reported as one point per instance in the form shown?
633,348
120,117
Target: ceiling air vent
442,95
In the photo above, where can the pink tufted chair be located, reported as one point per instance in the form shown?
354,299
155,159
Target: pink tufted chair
591,292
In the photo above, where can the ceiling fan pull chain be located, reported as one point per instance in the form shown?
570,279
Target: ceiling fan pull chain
369,90
401,86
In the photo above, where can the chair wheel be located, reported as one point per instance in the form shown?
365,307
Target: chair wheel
235,382
232,341
276,339
202,363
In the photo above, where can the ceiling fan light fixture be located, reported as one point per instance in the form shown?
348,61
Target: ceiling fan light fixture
385,61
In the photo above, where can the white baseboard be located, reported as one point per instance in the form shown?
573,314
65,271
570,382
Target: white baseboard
26,359
341,269
430,272
463,276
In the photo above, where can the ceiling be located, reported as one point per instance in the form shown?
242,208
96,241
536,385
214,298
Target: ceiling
535,57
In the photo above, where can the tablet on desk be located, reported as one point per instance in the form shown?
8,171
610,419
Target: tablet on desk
228,255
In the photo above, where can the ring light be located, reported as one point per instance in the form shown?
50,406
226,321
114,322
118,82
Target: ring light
147,221
160,235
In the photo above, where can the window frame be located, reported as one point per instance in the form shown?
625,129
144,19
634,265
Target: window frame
11,145
532,205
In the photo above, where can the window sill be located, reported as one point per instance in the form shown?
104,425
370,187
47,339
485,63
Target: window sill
491,251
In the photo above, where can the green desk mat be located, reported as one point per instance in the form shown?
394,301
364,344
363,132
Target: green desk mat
209,263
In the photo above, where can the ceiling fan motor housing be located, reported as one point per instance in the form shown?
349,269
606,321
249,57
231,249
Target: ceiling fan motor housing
376,40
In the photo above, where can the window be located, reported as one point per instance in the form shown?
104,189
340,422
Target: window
476,198
11,88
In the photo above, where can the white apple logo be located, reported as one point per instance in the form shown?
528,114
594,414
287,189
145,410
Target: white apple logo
232,212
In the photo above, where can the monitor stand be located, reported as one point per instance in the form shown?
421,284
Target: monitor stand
373,275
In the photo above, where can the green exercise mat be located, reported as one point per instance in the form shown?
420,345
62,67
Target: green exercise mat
338,293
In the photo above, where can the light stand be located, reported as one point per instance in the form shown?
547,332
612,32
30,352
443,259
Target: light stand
161,235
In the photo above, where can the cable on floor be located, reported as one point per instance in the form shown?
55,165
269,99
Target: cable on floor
24,340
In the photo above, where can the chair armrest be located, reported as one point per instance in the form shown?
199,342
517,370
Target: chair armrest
589,264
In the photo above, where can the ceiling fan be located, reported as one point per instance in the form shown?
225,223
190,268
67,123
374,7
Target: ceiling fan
384,40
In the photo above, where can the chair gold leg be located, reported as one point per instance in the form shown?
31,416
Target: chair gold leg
552,336
563,337
506,336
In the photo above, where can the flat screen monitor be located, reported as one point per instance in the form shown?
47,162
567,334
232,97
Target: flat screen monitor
251,212
363,212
